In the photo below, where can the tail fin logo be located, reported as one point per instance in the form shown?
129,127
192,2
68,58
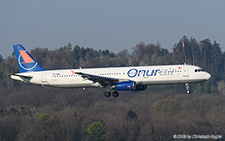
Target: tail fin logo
25,61
26,57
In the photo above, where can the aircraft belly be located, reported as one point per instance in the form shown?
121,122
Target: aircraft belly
72,83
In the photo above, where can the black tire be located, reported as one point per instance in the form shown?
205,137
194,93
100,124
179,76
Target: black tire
115,94
107,94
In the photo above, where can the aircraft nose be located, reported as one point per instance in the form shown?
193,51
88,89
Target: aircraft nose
207,76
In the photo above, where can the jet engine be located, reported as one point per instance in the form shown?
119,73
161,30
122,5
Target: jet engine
124,86
128,86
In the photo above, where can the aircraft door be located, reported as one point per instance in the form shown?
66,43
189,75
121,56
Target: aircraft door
96,73
44,77
185,71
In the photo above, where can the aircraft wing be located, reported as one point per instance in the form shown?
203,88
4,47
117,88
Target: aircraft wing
104,81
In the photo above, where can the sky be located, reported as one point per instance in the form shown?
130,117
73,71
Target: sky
102,24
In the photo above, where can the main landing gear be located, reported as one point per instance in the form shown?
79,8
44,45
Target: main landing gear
108,94
187,88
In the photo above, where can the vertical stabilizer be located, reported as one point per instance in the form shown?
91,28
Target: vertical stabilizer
25,61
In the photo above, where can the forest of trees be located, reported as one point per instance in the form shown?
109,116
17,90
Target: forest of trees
31,112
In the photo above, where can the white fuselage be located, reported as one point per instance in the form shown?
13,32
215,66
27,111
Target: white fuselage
144,75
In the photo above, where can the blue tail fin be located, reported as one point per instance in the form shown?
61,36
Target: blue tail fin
25,61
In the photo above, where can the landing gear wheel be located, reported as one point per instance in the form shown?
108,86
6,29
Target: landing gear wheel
107,94
187,88
188,92
115,94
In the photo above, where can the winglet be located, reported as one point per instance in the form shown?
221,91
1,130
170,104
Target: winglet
25,61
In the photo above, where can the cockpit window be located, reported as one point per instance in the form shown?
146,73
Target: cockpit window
199,70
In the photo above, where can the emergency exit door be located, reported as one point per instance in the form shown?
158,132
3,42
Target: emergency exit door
185,71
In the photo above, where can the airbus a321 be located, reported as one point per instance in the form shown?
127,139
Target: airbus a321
135,78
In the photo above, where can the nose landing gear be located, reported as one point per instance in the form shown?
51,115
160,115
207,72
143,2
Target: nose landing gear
188,91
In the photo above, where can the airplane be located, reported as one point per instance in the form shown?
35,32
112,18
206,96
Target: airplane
135,78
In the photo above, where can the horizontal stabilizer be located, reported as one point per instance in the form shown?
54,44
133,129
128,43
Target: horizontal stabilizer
22,78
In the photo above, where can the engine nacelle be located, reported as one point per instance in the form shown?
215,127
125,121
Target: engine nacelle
125,86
